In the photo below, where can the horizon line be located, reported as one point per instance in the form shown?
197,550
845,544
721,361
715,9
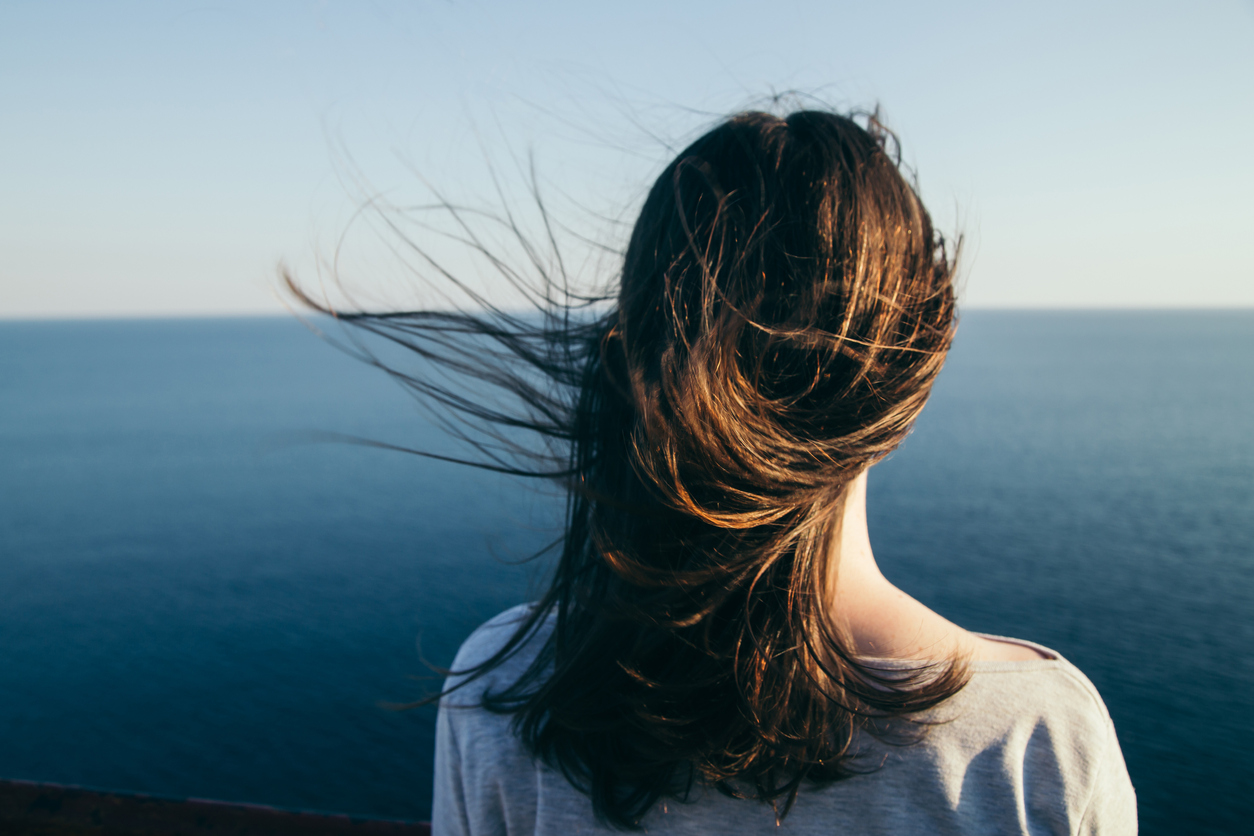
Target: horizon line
141,316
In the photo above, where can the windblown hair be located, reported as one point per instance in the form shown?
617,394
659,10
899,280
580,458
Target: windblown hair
784,308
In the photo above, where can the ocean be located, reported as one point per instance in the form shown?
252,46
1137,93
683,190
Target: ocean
202,596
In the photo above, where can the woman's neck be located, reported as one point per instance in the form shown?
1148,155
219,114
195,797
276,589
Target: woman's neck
883,621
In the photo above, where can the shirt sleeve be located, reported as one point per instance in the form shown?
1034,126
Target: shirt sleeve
467,798
484,780
448,806
1111,809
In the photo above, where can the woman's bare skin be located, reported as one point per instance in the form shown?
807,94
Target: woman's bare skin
885,622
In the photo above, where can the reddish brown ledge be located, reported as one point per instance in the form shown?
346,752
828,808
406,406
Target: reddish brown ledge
34,809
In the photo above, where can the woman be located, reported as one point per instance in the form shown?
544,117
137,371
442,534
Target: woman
717,651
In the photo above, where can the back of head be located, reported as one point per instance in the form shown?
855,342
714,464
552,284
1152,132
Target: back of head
784,308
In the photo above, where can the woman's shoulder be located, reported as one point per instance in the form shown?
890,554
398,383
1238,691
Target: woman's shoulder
1039,730
1042,678
486,641
491,636
1041,711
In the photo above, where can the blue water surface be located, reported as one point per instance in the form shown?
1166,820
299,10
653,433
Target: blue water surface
198,597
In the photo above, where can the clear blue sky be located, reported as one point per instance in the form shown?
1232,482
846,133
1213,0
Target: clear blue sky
162,157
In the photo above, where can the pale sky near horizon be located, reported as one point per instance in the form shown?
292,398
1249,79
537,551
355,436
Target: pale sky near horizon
160,158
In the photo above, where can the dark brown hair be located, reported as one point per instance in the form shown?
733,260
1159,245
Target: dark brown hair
784,308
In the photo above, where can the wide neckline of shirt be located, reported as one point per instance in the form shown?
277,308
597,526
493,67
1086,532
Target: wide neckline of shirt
978,666
1055,661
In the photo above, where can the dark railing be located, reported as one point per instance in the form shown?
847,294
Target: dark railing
56,810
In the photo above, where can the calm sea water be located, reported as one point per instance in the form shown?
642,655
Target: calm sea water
197,600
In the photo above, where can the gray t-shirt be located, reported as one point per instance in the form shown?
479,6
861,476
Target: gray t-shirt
1026,747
